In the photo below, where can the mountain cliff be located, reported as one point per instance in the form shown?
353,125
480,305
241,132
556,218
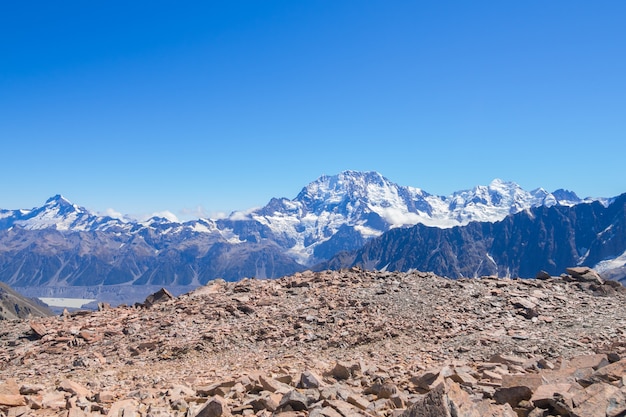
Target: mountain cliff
15,306
520,245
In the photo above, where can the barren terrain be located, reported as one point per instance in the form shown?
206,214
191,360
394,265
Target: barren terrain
333,343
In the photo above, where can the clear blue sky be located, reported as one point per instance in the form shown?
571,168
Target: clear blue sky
145,106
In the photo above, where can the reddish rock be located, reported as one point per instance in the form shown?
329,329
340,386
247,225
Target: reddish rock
448,400
75,388
38,328
599,400
12,400
532,381
123,408
588,361
611,373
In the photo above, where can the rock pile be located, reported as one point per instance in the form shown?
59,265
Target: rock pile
330,344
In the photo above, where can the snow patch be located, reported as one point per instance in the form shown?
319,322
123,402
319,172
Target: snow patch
609,264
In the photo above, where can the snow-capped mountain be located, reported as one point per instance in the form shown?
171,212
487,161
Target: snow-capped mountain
522,244
63,244
362,205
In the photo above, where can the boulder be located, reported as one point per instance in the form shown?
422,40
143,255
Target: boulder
448,400
215,407
160,296
585,274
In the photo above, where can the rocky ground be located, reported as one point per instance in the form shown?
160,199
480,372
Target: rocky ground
334,343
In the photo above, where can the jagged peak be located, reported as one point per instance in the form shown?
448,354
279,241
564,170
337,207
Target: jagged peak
563,194
346,180
58,199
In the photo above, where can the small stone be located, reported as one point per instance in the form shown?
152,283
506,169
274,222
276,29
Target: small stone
105,397
123,408
30,389
358,401
542,275
512,395
75,388
341,371
387,391
309,380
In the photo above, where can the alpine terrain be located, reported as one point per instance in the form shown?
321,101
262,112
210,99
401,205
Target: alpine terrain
62,249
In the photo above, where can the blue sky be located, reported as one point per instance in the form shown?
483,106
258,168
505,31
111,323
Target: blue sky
206,107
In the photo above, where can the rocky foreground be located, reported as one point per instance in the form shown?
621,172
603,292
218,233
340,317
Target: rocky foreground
331,344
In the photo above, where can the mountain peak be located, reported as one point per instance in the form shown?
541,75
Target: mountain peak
59,200
497,183
346,184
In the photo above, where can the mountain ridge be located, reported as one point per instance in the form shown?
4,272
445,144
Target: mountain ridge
61,244
520,245
367,203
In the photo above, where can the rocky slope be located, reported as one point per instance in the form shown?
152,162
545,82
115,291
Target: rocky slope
332,343
15,306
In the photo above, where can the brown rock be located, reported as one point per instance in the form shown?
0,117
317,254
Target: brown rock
512,395
75,412
12,400
215,407
427,380
309,379
508,359
599,400
448,400
464,378
588,361
30,389
532,381
38,328
387,391
544,395
75,388
325,412
21,411
341,371
294,401
10,387
358,401
585,274
269,402
55,400
272,385
128,407
610,373
542,275
105,397
160,296
343,408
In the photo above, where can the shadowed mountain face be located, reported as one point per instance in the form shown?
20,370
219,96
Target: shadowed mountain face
543,238
63,245
15,306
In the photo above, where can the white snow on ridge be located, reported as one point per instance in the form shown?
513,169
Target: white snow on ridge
609,264
367,202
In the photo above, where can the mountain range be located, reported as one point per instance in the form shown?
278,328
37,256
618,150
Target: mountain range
335,220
